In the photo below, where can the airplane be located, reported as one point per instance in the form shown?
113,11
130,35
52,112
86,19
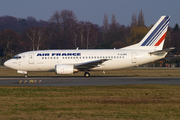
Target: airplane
62,62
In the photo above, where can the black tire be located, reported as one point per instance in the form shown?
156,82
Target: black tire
86,74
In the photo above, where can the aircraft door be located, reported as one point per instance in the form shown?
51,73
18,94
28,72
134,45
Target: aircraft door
31,58
133,57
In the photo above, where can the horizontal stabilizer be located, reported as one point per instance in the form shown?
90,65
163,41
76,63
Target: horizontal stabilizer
162,51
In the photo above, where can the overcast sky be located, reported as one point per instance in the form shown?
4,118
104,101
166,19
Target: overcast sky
94,10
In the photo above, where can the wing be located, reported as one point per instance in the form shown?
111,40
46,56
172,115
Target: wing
88,65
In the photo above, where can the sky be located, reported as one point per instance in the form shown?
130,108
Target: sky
94,10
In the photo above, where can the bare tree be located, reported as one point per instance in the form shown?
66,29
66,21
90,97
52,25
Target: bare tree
75,40
81,32
88,28
56,20
113,26
113,20
141,19
64,23
31,35
40,38
105,23
134,20
7,38
36,36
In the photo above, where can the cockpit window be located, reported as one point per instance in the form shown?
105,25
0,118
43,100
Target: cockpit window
17,57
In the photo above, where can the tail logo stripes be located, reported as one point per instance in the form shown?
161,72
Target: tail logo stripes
158,34
160,40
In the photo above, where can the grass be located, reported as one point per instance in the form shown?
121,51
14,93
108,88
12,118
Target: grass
132,102
6,72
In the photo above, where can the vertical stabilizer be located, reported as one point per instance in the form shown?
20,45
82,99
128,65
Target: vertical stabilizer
154,39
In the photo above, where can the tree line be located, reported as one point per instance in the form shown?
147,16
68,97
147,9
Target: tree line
64,31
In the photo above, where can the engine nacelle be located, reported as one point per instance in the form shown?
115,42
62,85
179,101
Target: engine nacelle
64,69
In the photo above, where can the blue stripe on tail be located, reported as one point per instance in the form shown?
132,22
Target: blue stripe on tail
163,24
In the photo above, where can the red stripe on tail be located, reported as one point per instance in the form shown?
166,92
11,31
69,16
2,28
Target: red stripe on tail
160,40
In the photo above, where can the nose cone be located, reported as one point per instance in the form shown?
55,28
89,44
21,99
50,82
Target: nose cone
7,63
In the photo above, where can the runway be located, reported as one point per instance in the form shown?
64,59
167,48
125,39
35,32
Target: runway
91,81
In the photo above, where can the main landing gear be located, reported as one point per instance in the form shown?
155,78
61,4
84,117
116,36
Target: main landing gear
86,74
25,75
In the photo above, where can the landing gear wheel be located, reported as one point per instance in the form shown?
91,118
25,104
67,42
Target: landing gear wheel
25,75
86,74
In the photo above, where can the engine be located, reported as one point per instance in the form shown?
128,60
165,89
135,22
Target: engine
65,69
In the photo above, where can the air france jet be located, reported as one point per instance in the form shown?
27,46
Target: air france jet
71,61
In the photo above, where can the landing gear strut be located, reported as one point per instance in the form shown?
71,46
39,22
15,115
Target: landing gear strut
86,74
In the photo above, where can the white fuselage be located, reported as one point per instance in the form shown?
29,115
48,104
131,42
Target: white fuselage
70,61
45,60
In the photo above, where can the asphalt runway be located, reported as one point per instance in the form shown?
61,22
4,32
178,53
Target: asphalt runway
91,81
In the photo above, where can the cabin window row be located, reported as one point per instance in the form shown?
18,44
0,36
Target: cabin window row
50,57
87,57
94,57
